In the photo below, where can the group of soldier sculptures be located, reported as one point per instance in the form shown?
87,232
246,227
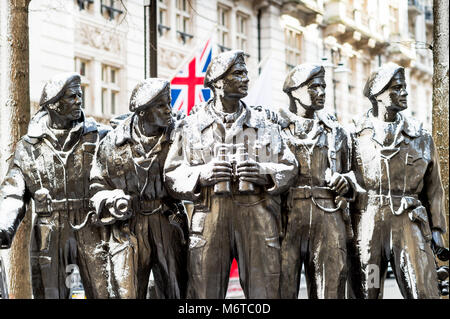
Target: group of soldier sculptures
275,189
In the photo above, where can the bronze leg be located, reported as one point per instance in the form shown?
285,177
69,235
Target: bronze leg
209,255
413,261
370,260
326,266
291,257
258,251
170,269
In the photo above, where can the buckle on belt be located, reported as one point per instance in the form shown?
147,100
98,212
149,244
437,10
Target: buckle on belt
147,207
302,192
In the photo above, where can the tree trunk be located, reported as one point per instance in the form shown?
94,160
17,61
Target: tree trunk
440,91
14,118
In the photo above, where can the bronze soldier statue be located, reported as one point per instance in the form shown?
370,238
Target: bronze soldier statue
146,228
316,219
402,213
232,163
51,166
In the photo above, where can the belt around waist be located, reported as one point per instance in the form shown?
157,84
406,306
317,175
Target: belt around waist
47,207
305,192
147,207
69,204
381,200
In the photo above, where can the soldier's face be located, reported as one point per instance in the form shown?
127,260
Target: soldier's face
312,95
397,93
235,83
70,103
159,113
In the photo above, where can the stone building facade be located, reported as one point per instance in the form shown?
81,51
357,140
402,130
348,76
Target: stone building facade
107,41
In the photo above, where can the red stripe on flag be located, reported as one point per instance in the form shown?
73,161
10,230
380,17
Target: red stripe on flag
181,105
191,81
204,49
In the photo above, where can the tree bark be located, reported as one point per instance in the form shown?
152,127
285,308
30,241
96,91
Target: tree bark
440,91
14,118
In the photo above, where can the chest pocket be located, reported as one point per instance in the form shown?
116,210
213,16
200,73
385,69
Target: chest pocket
416,166
120,162
45,169
200,154
88,154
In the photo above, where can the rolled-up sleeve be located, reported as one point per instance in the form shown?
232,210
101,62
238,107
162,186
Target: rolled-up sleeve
283,171
432,194
181,178
13,200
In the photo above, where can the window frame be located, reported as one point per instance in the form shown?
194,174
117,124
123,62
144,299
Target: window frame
86,86
224,11
108,88
295,51
242,36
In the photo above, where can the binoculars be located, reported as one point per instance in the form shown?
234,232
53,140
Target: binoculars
224,188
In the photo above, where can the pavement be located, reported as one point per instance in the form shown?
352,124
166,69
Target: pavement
391,290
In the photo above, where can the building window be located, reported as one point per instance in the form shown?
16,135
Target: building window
367,69
365,13
223,18
241,35
110,89
163,17
183,18
393,19
110,9
82,67
293,42
84,4
350,9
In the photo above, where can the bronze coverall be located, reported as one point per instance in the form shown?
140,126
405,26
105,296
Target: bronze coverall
147,241
407,172
58,182
241,226
313,236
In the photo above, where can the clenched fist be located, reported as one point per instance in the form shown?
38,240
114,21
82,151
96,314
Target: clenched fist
250,171
339,184
214,172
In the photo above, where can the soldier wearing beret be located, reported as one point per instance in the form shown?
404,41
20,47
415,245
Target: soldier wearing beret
231,162
51,166
144,225
402,213
316,220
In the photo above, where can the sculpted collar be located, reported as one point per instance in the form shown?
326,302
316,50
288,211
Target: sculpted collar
411,127
323,117
38,128
248,117
124,132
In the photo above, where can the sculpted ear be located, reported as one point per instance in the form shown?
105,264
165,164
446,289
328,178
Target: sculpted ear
218,84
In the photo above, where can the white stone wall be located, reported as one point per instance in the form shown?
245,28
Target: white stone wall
55,41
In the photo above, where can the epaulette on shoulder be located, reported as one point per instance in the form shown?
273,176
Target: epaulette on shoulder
30,140
103,130
412,127
328,119
115,121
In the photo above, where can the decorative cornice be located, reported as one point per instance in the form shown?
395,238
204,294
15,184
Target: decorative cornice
169,58
99,38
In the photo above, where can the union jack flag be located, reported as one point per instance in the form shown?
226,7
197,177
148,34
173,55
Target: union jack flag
187,87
